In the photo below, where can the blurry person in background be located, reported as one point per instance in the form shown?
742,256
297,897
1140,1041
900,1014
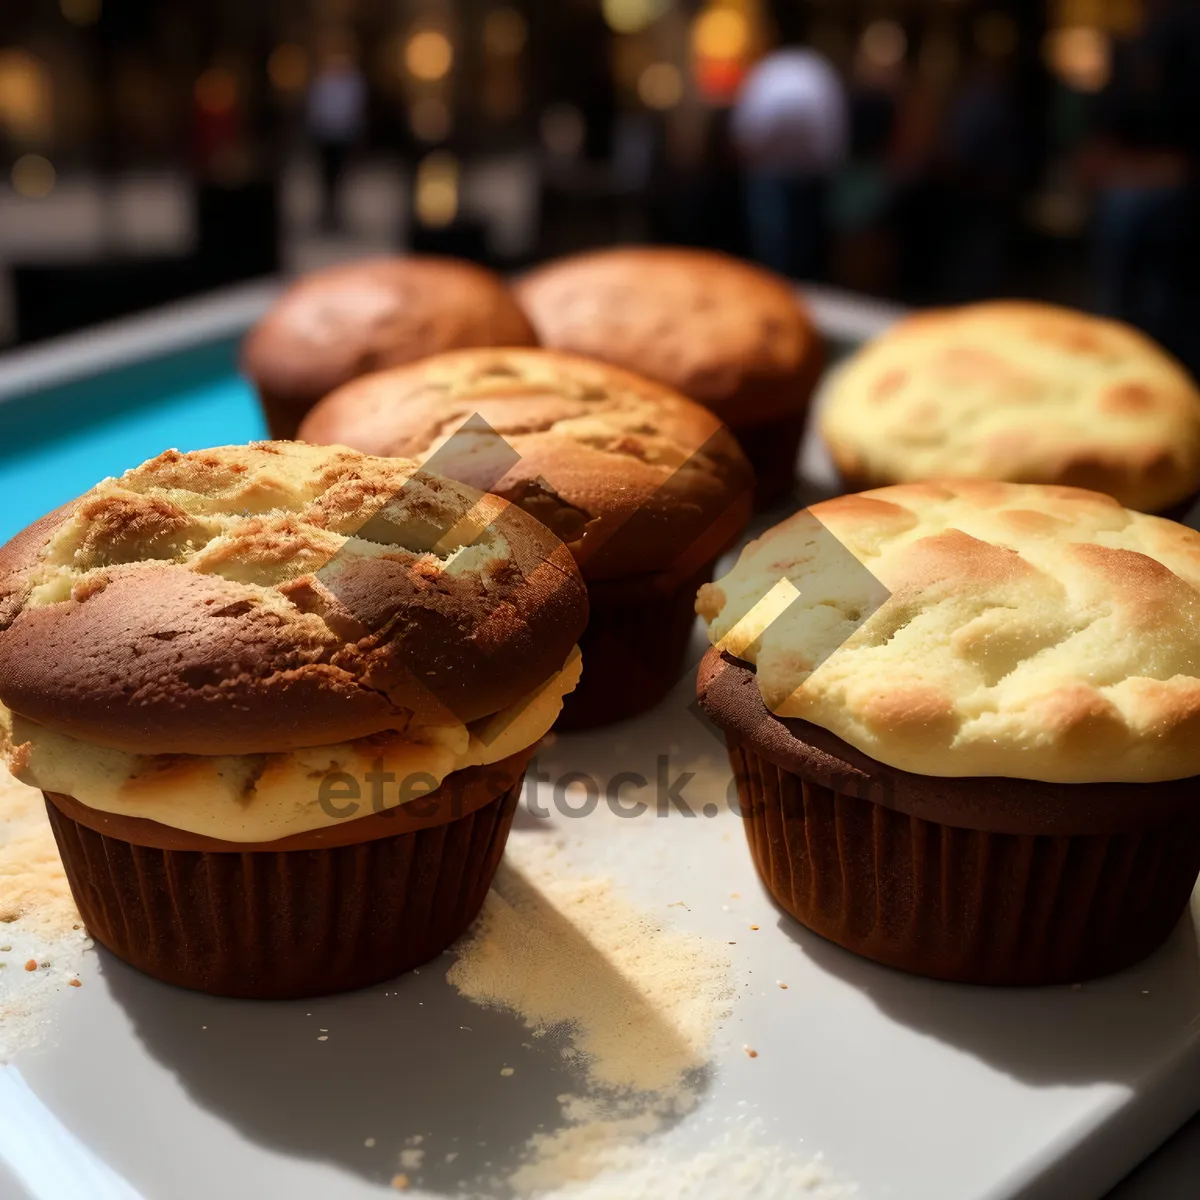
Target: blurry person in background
336,113
1143,163
790,129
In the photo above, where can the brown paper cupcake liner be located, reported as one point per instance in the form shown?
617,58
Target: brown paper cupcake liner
633,648
277,924
962,904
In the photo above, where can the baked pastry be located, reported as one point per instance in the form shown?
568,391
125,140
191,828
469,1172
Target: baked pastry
645,488
335,324
280,699
964,722
732,336
1017,391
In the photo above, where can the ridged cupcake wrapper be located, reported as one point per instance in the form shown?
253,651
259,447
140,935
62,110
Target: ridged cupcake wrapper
285,924
960,904
633,650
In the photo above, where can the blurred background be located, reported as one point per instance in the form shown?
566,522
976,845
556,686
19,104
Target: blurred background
925,151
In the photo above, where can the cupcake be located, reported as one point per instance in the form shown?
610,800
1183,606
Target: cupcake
729,335
280,700
336,324
964,722
645,488
1022,392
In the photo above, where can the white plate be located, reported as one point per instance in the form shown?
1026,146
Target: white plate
909,1089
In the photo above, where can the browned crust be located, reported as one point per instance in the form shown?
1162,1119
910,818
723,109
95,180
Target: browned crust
336,324
729,694
156,658
460,794
620,507
726,333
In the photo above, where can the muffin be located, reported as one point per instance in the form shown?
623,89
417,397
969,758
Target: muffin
645,488
280,700
729,335
978,759
336,324
1022,392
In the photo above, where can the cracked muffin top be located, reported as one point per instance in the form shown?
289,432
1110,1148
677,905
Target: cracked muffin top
263,598
1028,393
333,325
633,477
968,629
726,333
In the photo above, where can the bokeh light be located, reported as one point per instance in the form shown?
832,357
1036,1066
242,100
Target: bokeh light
505,32
80,12
287,68
722,33
216,91
632,16
660,86
1080,56
26,95
884,44
33,176
428,55
429,118
436,192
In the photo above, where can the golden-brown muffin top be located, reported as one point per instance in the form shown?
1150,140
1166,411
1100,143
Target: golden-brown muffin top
967,629
333,325
1018,391
261,598
632,476
730,335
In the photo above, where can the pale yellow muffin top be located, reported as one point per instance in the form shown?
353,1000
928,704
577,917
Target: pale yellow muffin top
966,629
1018,391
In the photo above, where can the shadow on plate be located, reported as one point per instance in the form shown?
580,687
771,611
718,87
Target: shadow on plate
1109,1030
411,1065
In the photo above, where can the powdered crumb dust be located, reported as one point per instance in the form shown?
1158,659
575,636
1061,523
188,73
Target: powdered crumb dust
41,919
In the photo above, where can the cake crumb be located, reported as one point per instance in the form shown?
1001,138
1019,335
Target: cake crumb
400,1183
324,1037
753,926
31,965
750,1051
507,1070
783,985
74,983
412,1159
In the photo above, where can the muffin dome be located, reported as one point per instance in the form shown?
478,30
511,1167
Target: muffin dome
333,325
269,597
978,629
1028,393
725,333
632,476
